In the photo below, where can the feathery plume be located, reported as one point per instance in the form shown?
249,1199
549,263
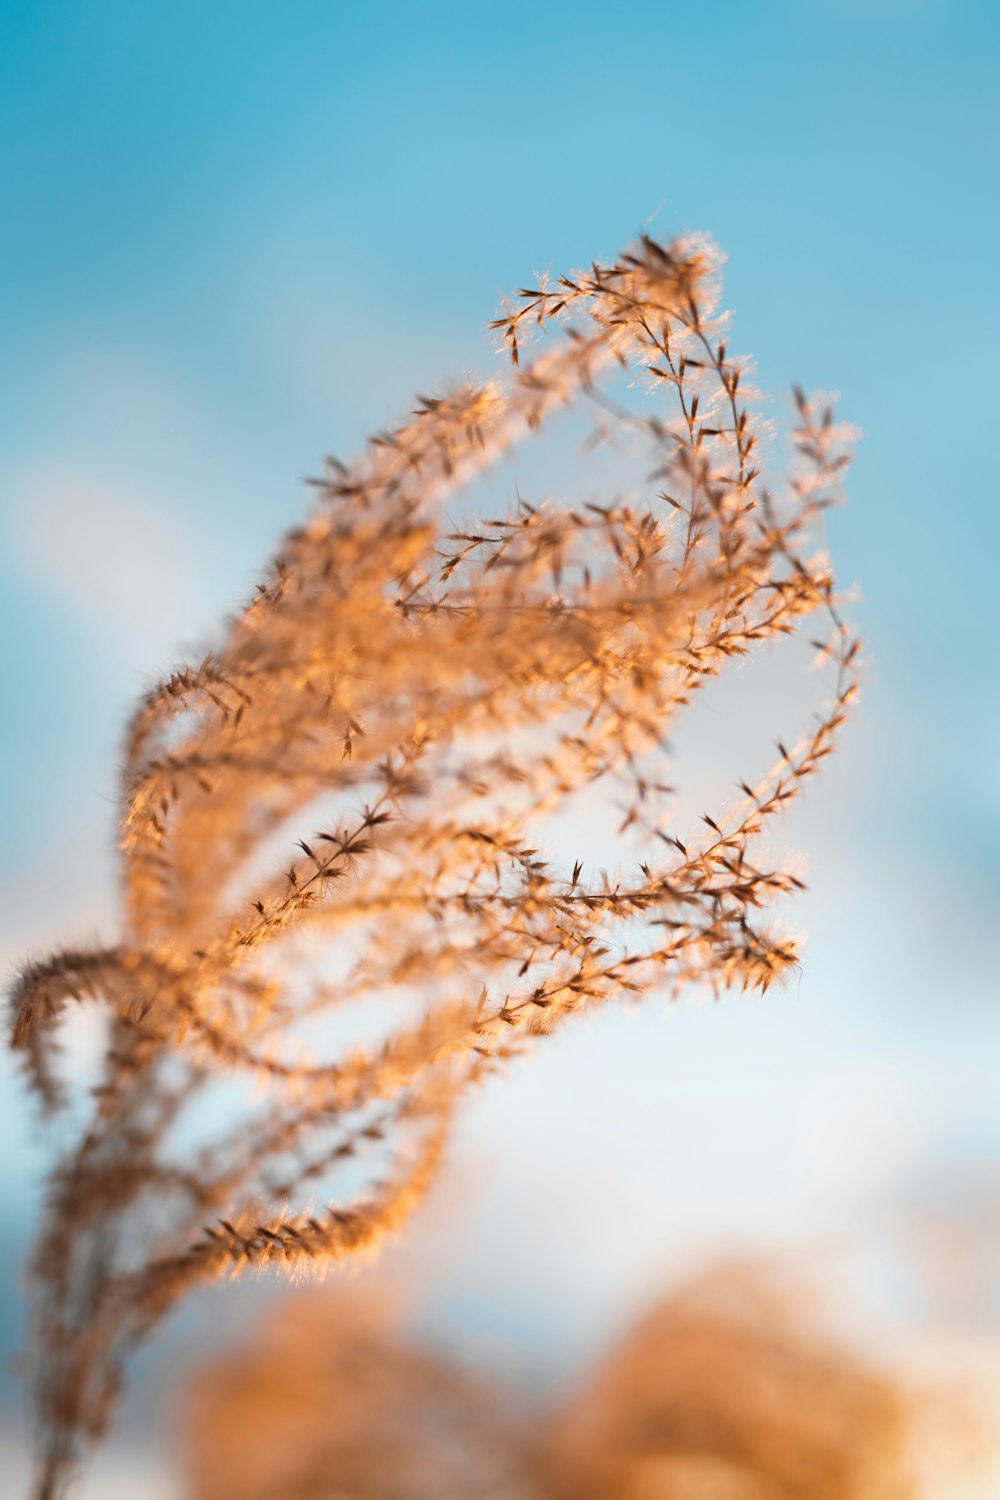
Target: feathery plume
407,703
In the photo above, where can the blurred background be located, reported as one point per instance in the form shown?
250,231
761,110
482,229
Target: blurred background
238,238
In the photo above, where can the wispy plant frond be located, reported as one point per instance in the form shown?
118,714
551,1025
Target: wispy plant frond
438,695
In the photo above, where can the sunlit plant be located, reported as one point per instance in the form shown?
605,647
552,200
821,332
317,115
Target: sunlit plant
350,801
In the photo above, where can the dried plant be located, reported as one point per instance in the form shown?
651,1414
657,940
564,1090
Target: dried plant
433,695
727,1391
331,1399
723,1391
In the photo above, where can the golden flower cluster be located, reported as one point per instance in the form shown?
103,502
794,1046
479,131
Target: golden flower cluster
348,804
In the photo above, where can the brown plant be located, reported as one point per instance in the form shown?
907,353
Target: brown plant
330,1399
431,695
726,1392
722,1391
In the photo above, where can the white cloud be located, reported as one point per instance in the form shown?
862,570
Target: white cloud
113,557
858,1133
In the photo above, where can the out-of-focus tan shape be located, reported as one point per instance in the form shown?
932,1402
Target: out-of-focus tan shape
721,1392
331,1403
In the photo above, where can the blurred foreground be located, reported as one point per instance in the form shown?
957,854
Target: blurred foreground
724,1390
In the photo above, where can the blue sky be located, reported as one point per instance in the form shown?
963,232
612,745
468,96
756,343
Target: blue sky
237,237
209,209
